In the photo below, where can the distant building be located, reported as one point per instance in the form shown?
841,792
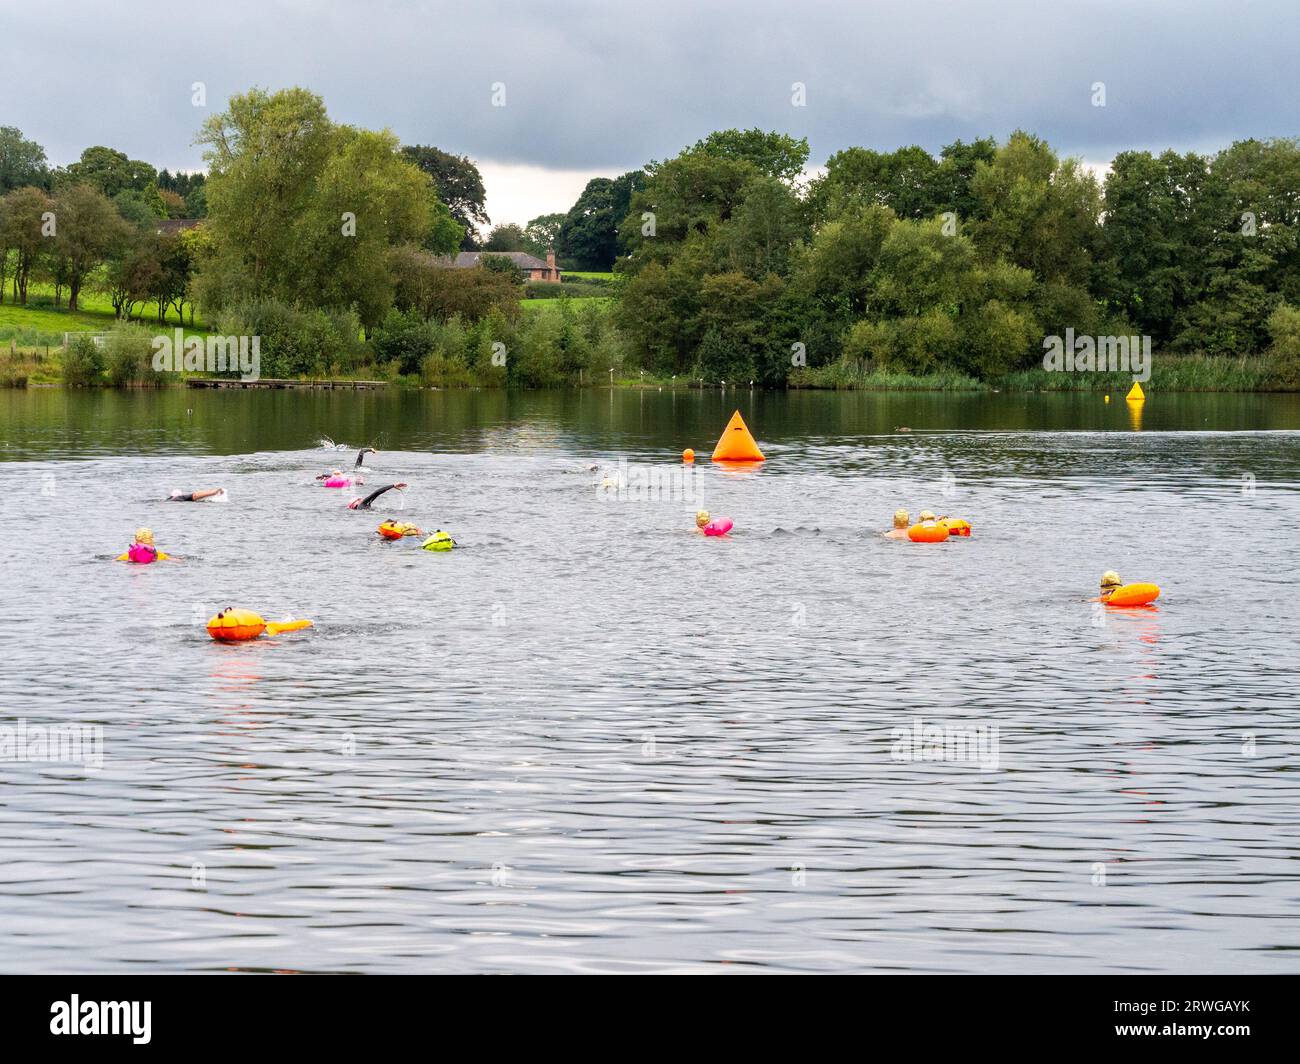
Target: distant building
535,268
175,225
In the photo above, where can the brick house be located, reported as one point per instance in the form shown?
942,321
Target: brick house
533,267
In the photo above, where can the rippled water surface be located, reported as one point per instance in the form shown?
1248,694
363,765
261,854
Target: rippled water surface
591,740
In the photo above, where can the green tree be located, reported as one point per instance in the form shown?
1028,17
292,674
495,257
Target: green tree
22,162
766,225
588,238
111,171
89,231
24,235
907,181
506,237
543,233
777,155
305,211
458,184
1037,211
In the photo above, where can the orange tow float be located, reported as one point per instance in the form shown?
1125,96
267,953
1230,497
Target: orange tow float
1133,595
239,626
928,533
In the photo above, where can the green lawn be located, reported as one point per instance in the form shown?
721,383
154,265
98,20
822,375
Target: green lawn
538,305
95,313
588,275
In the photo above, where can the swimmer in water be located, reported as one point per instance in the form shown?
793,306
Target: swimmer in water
142,549
368,502
194,496
361,455
901,522
1109,582
338,473
701,519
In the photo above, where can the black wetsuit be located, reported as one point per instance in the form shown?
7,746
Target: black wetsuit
364,504
361,456
181,498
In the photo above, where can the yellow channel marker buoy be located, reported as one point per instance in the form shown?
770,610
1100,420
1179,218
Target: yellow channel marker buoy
1136,394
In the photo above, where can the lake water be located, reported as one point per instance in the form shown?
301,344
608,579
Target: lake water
592,740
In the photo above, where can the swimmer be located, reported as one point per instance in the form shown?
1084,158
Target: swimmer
361,455
338,474
142,549
924,516
368,501
1109,582
194,496
902,521
701,519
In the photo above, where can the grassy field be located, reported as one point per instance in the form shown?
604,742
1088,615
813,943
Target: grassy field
552,306
588,275
96,313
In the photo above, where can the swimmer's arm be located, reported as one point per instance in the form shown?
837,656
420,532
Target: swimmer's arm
365,503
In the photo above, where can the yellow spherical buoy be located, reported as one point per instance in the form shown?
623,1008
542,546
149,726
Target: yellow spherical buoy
1108,398
688,456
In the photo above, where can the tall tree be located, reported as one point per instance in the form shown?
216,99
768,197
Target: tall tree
89,230
588,238
25,234
543,232
506,237
111,172
303,210
22,161
777,155
458,183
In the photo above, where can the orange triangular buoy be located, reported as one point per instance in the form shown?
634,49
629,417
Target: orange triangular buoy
736,443
1136,394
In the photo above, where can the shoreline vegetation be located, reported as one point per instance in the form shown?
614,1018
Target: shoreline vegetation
723,265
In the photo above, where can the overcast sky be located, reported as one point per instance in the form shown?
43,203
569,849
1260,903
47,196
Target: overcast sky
602,87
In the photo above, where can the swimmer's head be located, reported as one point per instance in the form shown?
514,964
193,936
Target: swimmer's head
354,503
145,536
901,518
926,515
175,493
701,518
1110,580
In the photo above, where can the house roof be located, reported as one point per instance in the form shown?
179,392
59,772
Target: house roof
467,259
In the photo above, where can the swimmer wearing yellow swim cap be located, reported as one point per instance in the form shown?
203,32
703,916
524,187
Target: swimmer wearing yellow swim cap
1109,582
925,515
701,519
901,522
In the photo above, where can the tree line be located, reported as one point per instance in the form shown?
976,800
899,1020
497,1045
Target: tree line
729,263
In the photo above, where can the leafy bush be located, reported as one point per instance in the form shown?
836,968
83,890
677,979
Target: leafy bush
128,354
294,342
83,362
1284,331
405,338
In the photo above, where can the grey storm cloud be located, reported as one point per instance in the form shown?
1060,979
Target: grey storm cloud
610,85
